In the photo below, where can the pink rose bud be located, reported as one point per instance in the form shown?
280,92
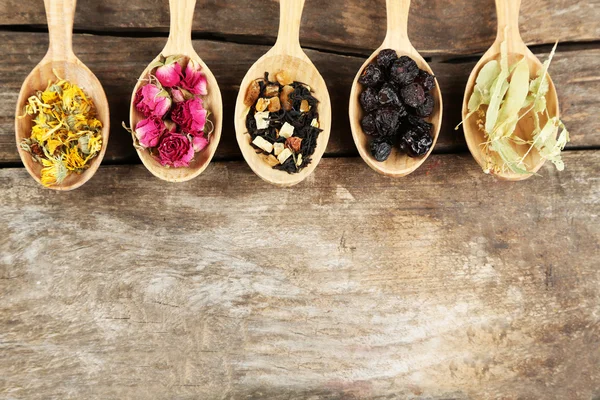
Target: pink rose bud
175,150
178,96
152,101
199,142
149,131
169,75
190,116
194,80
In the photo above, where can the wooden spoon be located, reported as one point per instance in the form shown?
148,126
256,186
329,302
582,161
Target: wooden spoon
508,28
398,164
180,43
60,58
286,55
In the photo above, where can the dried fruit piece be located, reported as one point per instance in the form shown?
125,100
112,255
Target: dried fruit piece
286,130
283,78
385,58
387,96
262,104
415,143
278,148
372,76
304,106
294,144
404,71
252,93
387,121
426,80
413,95
285,154
368,100
270,159
381,149
274,104
271,90
368,124
263,144
284,97
426,109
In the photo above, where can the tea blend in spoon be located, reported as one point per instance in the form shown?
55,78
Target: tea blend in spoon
283,121
66,133
173,129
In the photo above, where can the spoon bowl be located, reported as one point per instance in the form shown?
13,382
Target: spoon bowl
60,60
398,164
286,55
508,29
180,43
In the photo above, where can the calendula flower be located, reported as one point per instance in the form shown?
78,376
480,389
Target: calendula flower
65,134
54,171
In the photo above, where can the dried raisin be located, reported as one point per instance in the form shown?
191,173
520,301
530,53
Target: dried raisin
368,100
381,149
385,58
404,71
416,144
372,76
413,95
368,124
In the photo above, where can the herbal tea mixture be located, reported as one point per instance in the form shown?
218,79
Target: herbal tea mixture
173,128
503,95
66,135
283,121
396,100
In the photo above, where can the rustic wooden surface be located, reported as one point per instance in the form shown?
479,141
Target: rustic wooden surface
351,285
443,285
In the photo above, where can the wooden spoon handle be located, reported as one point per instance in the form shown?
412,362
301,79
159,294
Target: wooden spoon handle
288,38
180,34
60,15
397,24
508,17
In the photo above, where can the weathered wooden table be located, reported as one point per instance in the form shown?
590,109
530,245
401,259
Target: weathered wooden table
446,284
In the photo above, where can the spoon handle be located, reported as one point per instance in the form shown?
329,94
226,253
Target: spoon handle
60,15
180,33
288,38
397,24
508,17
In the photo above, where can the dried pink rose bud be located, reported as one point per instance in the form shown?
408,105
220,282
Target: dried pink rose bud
168,72
199,142
194,79
190,116
178,96
152,101
149,131
175,150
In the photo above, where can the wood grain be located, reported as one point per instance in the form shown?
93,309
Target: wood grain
118,61
449,27
445,284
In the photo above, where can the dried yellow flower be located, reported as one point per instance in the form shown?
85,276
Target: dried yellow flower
65,129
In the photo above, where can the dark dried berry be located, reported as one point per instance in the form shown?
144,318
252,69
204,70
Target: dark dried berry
368,124
388,96
404,71
385,58
368,100
381,149
372,76
417,124
426,109
426,80
387,121
413,95
416,144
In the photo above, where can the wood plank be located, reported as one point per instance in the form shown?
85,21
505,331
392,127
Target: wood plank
444,284
118,62
355,25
